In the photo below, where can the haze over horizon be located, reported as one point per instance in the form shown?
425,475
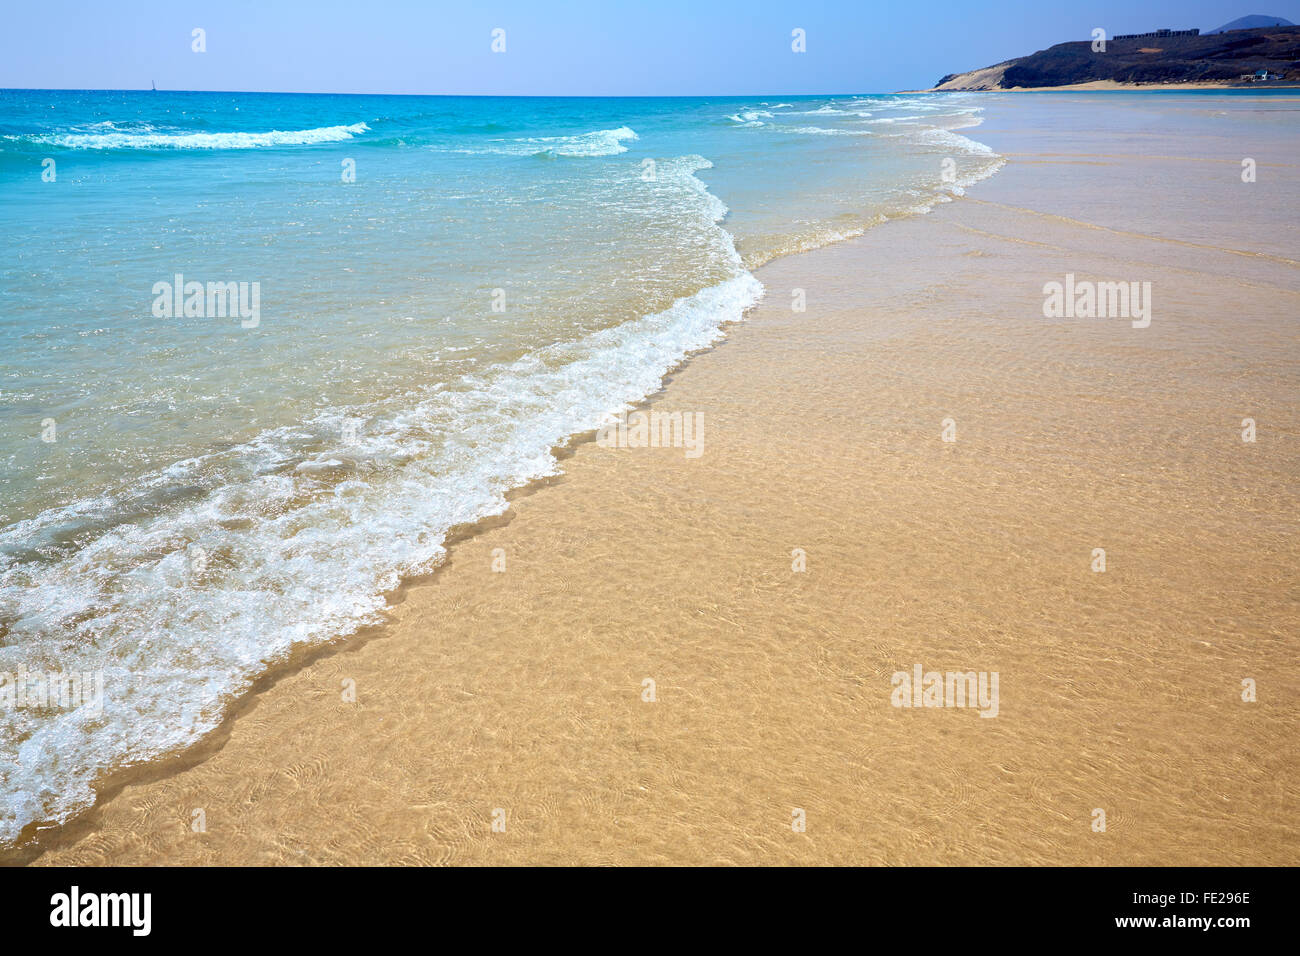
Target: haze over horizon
579,48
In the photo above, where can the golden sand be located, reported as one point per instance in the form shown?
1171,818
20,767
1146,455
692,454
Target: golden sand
986,80
1119,690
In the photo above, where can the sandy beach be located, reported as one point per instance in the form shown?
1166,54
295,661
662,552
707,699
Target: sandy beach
1096,86
830,536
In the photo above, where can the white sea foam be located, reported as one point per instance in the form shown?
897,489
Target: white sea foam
947,139
150,138
601,142
824,131
750,117
300,536
978,175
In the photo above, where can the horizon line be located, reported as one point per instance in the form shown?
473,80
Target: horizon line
550,96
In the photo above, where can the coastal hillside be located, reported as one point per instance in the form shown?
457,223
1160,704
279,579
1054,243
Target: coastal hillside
1221,58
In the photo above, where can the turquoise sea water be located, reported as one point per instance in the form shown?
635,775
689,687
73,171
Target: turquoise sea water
448,288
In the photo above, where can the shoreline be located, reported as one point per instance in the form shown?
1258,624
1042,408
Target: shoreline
1096,86
523,690
167,763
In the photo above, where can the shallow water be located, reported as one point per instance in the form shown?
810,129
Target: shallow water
186,497
522,695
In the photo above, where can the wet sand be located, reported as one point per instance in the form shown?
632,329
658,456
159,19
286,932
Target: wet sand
522,690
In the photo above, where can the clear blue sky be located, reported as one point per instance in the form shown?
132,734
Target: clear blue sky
562,47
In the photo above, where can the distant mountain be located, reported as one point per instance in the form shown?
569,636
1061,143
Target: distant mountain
1251,22
1164,57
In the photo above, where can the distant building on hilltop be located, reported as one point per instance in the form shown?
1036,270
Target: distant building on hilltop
1158,34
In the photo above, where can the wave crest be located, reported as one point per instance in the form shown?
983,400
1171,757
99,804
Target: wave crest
153,139
600,142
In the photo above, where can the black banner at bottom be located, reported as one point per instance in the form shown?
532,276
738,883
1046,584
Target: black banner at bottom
1221,906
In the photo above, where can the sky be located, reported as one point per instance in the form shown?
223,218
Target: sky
557,47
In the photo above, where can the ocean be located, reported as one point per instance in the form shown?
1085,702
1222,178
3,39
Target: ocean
429,296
